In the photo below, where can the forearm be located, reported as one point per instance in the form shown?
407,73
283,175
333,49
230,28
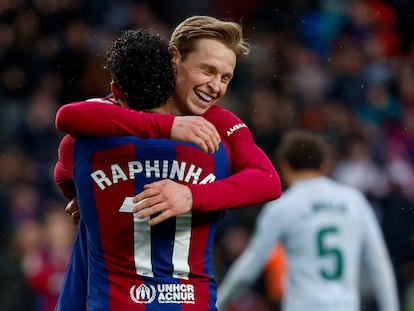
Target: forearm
384,285
242,189
254,179
255,182
377,262
94,118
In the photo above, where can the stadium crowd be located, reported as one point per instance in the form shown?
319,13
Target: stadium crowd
341,68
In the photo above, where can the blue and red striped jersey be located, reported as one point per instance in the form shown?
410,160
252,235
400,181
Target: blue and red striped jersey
132,265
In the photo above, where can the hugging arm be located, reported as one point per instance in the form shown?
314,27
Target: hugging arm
254,178
79,118
101,117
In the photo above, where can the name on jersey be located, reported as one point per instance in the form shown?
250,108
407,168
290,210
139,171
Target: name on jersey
164,293
234,128
328,207
176,170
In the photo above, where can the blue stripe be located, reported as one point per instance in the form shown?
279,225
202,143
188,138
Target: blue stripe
84,190
222,170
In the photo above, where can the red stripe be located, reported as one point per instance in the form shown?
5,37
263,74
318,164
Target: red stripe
117,228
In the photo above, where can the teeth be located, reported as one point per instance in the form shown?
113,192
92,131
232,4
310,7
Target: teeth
204,96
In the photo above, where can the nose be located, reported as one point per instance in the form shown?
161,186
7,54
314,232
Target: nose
214,84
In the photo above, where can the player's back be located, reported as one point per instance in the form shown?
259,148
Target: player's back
325,229
130,263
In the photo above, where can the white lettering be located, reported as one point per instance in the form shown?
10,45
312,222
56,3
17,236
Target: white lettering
134,167
155,168
177,170
100,178
165,169
176,293
209,178
235,128
117,173
193,173
174,169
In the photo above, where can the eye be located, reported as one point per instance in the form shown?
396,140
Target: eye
208,70
226,79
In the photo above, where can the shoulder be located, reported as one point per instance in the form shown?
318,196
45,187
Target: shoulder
226,122
108,100
217,112
66,145
347,191
67,141
282,205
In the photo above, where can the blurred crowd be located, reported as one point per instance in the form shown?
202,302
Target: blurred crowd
344,68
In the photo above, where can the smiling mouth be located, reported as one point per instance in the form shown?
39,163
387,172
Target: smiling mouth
203,96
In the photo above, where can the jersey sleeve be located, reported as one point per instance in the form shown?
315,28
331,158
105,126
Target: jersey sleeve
251,263
102,118
376,261
63,172
254,179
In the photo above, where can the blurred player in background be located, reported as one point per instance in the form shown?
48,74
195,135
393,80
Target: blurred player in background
329,233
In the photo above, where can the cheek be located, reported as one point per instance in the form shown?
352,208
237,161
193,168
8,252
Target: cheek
223,90
182,87
184,80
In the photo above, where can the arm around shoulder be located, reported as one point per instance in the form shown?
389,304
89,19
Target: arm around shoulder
104,118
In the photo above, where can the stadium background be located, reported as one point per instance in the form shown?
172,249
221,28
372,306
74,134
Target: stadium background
342,68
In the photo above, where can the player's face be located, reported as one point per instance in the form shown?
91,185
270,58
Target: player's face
203,77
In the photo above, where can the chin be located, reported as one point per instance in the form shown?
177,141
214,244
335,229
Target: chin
196,110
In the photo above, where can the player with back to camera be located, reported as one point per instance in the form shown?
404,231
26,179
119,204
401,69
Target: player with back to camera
329,232
131,266
205,52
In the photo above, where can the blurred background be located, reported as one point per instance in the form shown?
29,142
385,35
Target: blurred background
344,68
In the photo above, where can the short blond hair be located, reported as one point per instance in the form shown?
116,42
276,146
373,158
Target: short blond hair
194,28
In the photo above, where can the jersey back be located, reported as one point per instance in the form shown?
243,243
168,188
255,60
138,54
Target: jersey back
132,265
326,229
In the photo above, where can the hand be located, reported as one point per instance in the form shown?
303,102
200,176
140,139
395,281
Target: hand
197,130
165,196
72,209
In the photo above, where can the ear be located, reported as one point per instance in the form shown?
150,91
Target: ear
286,172
176,53
119,96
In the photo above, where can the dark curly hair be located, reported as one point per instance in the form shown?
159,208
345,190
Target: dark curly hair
140,62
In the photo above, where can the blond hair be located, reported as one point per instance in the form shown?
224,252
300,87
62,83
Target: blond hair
194,28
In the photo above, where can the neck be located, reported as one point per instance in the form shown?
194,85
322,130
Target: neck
176,108
298,176
164,109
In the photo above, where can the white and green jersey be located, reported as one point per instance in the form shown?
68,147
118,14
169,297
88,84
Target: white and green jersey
329,232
